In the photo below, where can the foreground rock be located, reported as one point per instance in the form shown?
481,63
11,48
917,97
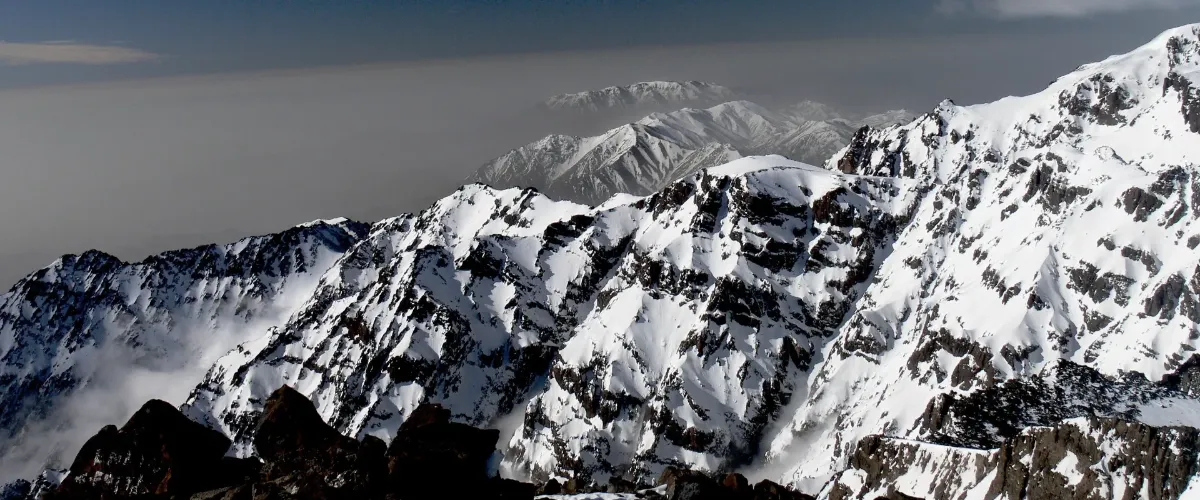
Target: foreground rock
159,453
431,453
304,454
692,485
1086,458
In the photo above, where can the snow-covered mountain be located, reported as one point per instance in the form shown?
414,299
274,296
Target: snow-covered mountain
955,280
616,340
643,157
994,301
87,339
1050,270
641,95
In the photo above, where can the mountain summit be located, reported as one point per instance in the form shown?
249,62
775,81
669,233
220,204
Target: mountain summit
641,95
643,157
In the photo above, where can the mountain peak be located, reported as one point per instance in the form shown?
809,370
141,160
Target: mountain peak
641,95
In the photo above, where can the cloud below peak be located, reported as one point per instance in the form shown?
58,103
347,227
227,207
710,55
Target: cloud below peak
69,52
1058,8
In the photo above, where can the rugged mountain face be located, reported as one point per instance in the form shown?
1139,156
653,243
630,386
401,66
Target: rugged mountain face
80,339
628,159
646,156
1092,458
1050,265
619,340
641,95
1030,252
992,301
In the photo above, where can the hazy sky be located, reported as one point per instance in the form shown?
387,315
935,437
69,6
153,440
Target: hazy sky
140,126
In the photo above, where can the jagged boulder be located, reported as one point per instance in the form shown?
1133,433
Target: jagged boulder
769,490
303,453
682,484
1089,458
430,452
158,452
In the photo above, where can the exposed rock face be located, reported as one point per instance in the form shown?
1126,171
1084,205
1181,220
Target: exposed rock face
1061,391
159,453
156,453
683,484
430,452
1089,458
304,454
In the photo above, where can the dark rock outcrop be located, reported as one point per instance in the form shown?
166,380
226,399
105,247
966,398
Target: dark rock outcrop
303,453
431,452
160,454
1087,458
16,490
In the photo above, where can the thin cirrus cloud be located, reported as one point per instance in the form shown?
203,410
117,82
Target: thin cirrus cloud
70,52
1058,8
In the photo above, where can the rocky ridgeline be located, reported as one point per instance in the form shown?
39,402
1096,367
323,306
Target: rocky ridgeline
87,321
1077,459
159,453
678,484
682,484
645,156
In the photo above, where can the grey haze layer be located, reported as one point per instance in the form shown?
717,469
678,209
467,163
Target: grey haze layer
135,168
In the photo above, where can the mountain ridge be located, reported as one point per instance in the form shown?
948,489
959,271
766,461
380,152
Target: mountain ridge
645,156
648,94
94,320
979,288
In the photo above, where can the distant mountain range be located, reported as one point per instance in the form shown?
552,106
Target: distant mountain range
640,96
643,157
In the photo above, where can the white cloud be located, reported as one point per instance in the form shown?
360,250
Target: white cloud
1058,8
70,52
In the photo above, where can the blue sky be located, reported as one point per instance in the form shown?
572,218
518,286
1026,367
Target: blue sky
154,38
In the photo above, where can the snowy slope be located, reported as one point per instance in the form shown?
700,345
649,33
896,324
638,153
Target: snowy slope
998,267
641,95
1055,245
661,330
86,340
645,156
